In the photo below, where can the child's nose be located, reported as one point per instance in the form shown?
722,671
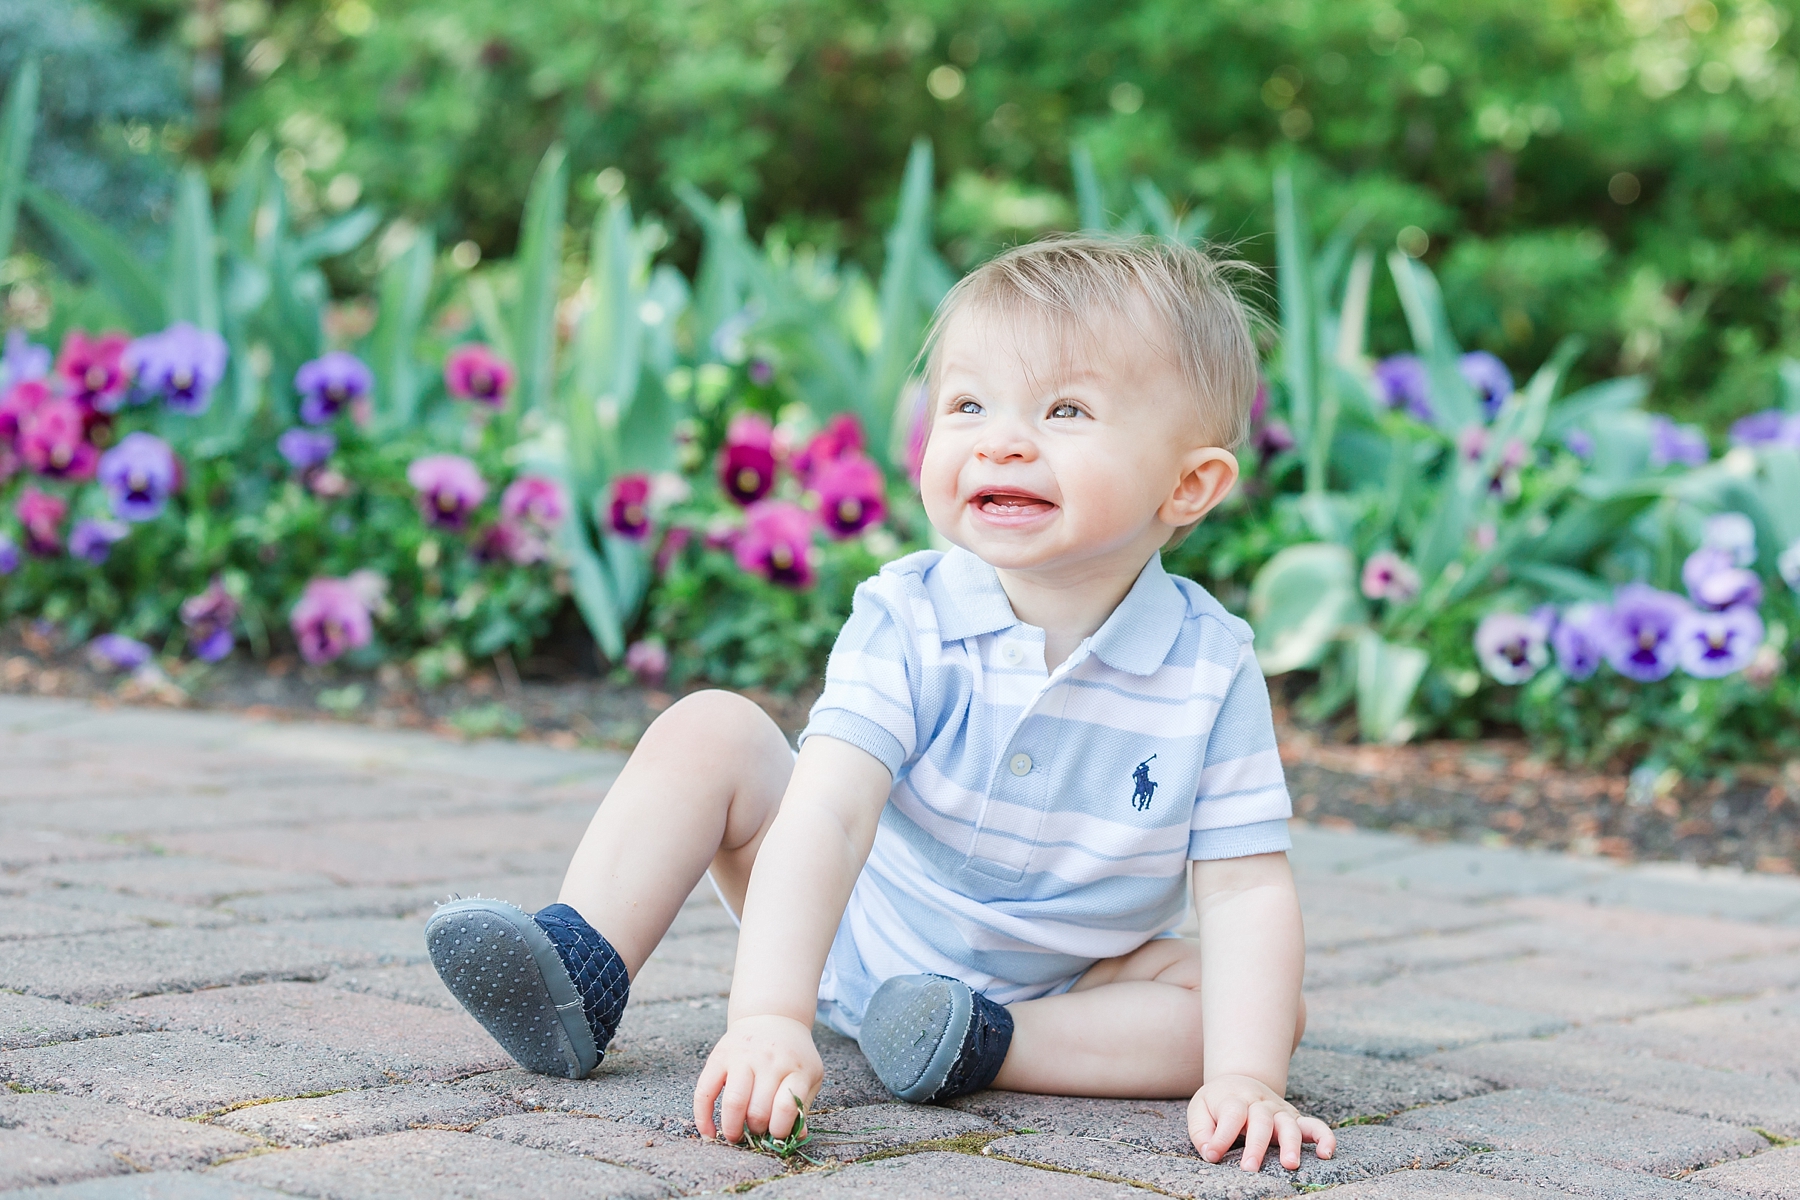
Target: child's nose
1005,441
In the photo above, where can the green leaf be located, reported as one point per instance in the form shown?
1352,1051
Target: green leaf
1609,396
539,265
1303,600
1779,485
114,264
193,270
341,236
903,317
1452,399
1090,203
1160,217
592,587
1293,279
403,290
1790,384
18,122
1387,678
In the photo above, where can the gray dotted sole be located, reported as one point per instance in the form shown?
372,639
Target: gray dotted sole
913,1031
503,968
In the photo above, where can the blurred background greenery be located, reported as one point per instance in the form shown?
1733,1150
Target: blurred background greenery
1623,169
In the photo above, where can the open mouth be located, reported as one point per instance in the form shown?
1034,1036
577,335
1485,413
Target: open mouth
1011,506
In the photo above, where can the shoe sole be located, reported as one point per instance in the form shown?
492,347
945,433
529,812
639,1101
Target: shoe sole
503,968
913,1031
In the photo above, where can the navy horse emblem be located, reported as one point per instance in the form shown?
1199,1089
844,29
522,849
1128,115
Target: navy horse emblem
1143,787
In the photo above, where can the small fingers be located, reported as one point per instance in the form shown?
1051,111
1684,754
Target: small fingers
1319,1134
1200,1122
1230,1123
1259,1126
786,1113
706,1091
734,1104
1287,1131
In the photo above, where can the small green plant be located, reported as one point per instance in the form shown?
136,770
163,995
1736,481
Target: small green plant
487,720
342,701
788,1146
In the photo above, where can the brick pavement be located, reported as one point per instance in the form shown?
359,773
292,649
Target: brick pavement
213,984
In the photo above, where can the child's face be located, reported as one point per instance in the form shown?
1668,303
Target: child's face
1068,464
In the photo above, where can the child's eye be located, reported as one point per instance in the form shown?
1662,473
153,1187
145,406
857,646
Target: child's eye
1064,408
966,405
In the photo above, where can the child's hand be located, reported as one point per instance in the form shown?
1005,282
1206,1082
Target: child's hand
1234,1104
756,1071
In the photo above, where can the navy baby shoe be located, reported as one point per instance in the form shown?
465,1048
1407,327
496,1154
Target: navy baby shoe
930,1037
548,987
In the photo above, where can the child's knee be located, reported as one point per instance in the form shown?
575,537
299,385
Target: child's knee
713,718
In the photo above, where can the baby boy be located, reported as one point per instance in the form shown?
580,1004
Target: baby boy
1028,748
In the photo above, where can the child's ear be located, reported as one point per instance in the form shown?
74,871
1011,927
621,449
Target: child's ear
1207,476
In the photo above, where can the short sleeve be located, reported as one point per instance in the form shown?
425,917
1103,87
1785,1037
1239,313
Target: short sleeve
871,680
1242,805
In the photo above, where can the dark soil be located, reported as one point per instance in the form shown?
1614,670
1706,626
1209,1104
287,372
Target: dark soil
1494,792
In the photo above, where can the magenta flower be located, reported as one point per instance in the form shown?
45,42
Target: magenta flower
182,364
1402,382
511,541
1714,580
9,555
1580,639
304,449
53,440
747,465
1271,438
852,494
22,361
1512,648
534,500
116,652
1387,576
628,509
209,618
475,372
139,474
93,369
1713,644
1676,445
1771,427
841,437
1490,379
42,516
330,619
449,488
20,401
648,660
776,543
1642,644
93,540
330,384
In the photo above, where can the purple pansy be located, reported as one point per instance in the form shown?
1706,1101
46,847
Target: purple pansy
1387,576
534,500
776,543
209,618
305,448
852,494
475,372
1676,445
330,619
23,361
1771,427
9,555
116,652
139,474
1715,581
747,464
1402,382
761,372
1642,642
449,488
1580,443
330,384
1512,647
93,540
1492,382
1580,639
648,660
1709,645
182,364
628,509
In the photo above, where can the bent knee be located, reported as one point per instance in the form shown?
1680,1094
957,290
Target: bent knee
715,718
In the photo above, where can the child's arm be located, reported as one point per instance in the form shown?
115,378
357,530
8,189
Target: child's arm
805,870
1252,956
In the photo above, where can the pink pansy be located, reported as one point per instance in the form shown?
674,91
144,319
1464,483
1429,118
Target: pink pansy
42,516
776,543
628,509
331,619
534,500
842,437
449,488
747,464
93,369
53,440
475,372
852,494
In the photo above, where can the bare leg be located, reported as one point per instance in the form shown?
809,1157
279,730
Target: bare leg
699,792
1129,1028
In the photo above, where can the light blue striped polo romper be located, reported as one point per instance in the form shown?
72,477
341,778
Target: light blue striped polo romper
1038,822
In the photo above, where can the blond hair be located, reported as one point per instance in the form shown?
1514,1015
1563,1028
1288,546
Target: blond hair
1072,279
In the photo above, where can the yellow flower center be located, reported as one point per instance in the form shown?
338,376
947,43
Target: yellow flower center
781,557
749,479
850,510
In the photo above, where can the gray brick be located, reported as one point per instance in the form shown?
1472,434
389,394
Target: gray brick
1752,1101
29,1021
1159,1125
852,1133
430,1164
1477,872
1698,891
1429,1185
1394,1020
23,920
181,1074
1341,914
121,911
409,985
30,1160
661,980
109,966
1760,1036
1573,1177
317,1120
1627,1136
183,879
20,848
1774,1175
1363,1152
142,1140
398,1040
160,1185
1351,1087
336,902
373,941
1167,1173
685,1164
940,1174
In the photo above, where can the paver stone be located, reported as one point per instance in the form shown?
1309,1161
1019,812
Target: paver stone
1772,1175
685,1164
969,1176
31,1160
364,1113
29,1021
1575,1176
145,1141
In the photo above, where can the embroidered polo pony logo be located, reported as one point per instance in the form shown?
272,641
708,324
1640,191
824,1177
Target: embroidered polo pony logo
1143,787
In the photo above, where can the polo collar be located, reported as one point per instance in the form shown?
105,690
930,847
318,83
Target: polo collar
969,600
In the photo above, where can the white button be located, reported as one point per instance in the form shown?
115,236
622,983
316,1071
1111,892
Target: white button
1021,764
1011,654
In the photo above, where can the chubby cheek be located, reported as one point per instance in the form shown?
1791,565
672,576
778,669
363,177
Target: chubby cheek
938,481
